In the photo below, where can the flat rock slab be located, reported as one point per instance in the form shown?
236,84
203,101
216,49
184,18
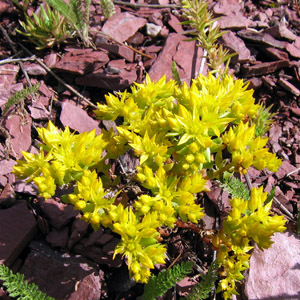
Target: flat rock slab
186,55
274,273
235,21
236,45
262,38
110,82
58,214
60,275
77,119
82,61
121,26
8,74
264,68
20,130
119,50
100,254
17,228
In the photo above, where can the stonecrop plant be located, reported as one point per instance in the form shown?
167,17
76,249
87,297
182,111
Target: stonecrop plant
183,137
46,28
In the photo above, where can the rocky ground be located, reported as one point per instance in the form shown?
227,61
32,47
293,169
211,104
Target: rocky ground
47,241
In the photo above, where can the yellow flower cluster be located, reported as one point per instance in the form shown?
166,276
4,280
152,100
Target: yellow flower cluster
249,221
139,242
172,196
246,150
180,135
184,128
68,155
91,198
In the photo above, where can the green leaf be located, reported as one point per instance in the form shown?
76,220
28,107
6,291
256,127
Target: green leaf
202,290
20,95
158,285
175,73
17,287
271,195
235,188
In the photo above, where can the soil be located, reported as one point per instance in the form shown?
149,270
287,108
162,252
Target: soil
266,36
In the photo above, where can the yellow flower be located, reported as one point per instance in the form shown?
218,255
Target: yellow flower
91,198
249,220
247,150
138,243
148,149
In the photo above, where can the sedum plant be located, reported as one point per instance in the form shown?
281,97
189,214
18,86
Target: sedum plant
46,28
183,137
249,221
206,32
51,26
108,8
77,14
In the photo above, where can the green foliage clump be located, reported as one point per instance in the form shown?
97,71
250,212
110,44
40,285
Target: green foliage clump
160,284
18,287
235,188
108,8
52,26
77,14
202,290
46,28
206,33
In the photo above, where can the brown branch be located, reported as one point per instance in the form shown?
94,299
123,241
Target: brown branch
137,5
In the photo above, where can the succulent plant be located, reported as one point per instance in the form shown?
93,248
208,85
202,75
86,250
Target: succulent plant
46,28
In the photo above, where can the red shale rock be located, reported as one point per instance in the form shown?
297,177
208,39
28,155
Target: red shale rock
281,31
235,21
275,54
284,169
294,48
77,119
20,130
120,50
261,37
122,26
79,229
8,74
263,68
58,237
236,45
6,166
58,214
82,61
289,87
227,7
186,55
34,69
4,6
111,82
274,273
62,276
17,228
174,23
